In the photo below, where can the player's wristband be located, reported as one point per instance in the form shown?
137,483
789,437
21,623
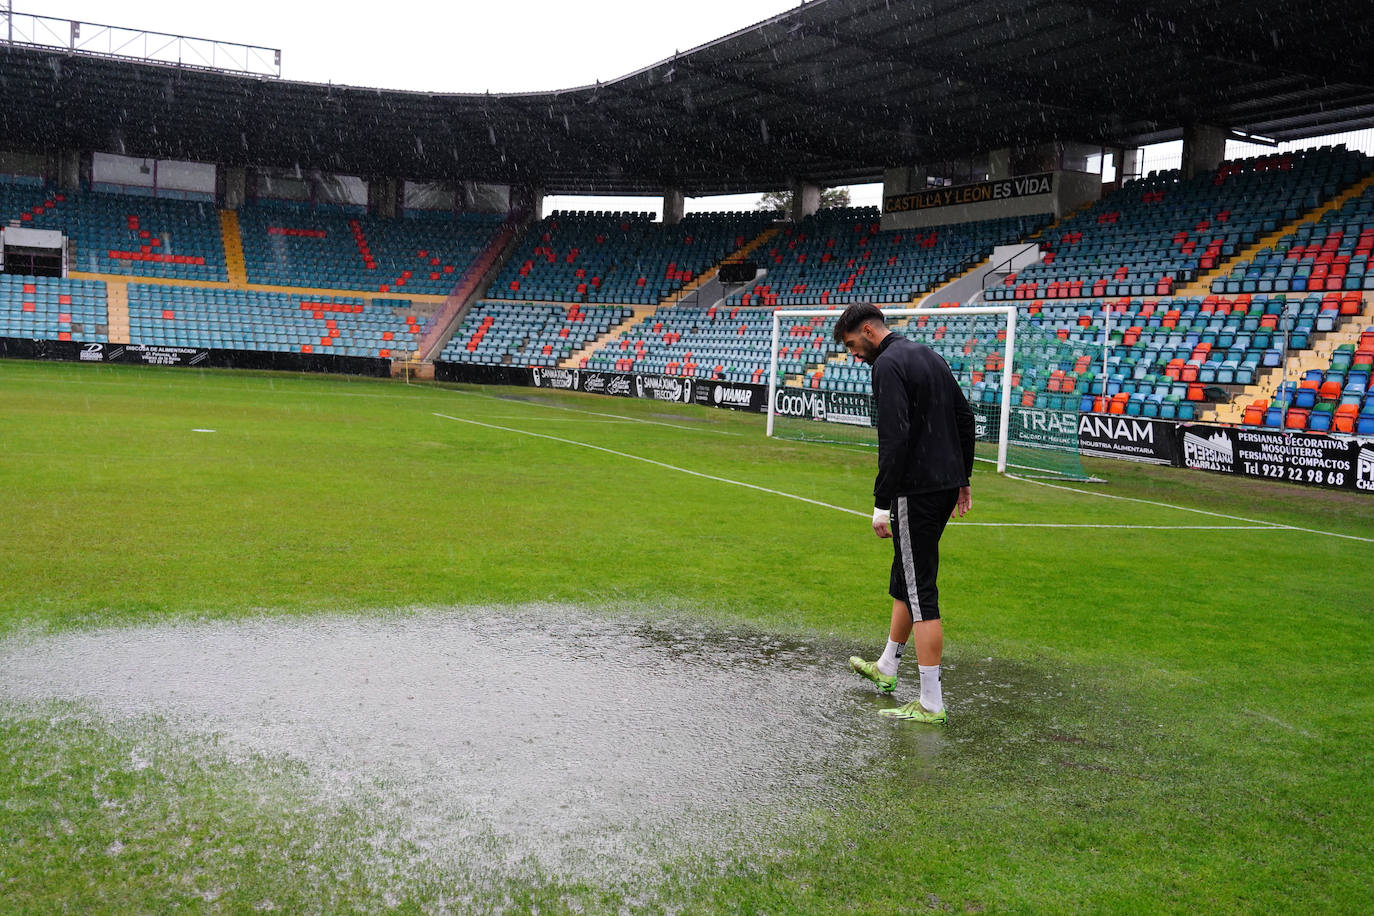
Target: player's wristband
882,516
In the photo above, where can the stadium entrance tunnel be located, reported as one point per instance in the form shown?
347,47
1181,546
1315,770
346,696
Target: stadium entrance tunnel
546,739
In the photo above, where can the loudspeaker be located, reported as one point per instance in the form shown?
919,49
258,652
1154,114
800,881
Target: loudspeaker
738,271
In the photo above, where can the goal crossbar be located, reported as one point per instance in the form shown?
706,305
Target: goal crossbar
1008,312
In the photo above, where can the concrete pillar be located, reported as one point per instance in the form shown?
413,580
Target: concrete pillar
806,199
674,202
1074,189
382,194
1127,164
1204,148
1049,157
44,164
999,164
69,170
903,179
233,186
525,198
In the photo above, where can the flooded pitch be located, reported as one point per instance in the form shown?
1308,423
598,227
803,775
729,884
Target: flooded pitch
544,738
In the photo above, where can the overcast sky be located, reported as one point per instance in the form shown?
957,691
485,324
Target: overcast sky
502,46
506,45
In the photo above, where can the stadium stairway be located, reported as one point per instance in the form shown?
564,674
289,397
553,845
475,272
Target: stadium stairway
470,288
832,357
1202,286
709,274
1318,356
579,359
963,288
1160,232
117,309
831,361
706,276
233,248
838,356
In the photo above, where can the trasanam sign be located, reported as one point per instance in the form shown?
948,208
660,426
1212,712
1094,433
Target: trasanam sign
1132,438
979,193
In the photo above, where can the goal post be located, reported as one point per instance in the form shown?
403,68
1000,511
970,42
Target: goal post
1016,378
1009,312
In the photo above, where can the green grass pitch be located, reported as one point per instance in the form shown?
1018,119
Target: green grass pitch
1152,709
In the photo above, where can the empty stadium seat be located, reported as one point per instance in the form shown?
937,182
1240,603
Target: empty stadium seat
621,258
251,320
123,234
1163,230
339,247
836,257
1331,254
49,308
527,334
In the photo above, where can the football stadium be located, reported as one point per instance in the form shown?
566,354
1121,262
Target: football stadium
464,501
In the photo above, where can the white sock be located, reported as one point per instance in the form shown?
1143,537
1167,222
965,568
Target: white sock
892,657
931,698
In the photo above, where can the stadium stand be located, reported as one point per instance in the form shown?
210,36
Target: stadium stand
1332,396
1060,375
1330,254
328,246
841,255
716,342
48,308
182,242
1165,350
121,233
1159,232
252,320
622,258
831,258
526,333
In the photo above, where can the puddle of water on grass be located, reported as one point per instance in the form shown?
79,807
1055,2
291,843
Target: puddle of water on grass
550,738
546,742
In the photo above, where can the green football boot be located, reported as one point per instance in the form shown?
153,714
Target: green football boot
914,712
870,670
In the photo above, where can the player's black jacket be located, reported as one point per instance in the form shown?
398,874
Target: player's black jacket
925,426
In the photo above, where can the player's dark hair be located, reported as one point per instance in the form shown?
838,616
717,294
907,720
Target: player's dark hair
854,317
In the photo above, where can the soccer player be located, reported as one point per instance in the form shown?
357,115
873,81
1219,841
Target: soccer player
925,458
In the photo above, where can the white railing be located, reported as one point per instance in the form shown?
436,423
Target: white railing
138,44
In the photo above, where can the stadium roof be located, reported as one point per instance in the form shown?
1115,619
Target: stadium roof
831,91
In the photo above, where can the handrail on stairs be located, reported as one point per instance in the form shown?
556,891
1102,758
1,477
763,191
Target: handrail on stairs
996,268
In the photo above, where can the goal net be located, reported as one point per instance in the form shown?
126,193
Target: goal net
1026,387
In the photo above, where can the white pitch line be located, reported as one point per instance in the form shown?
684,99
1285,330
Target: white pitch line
1126,527
597,413
1256,524
816,502
609,421
670,467
271,388
418,390
1234,518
